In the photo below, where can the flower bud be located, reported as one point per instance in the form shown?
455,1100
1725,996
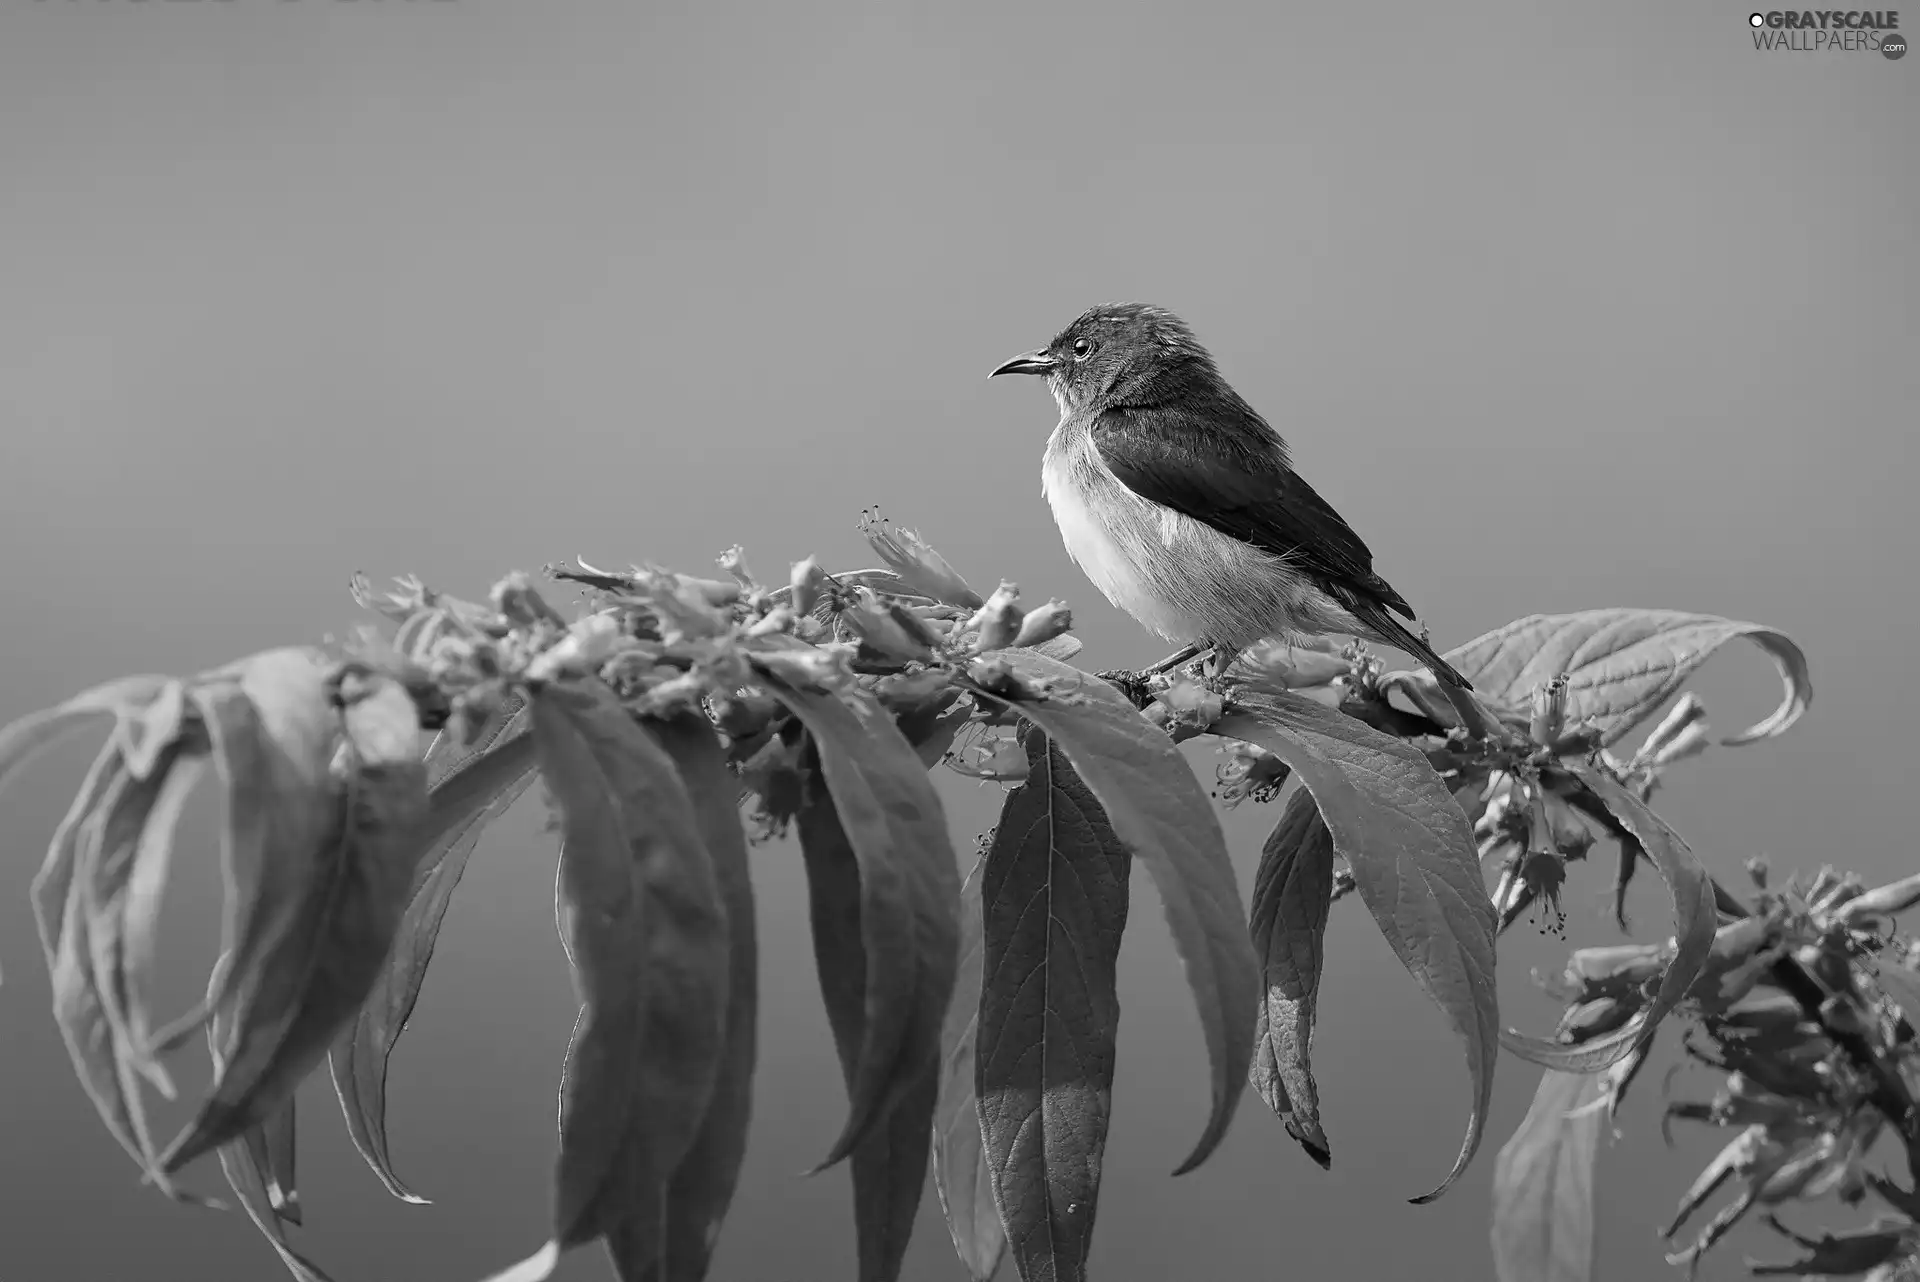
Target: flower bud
587,644
1044,624
1549,710
1615,970
808,665
1881,901
1294,667
1421,689
708,591
1691,741
734,562
909,556
1191,708
883,633
996,676
514,597
808,581
778,619
997,621
1588,1020
1683,714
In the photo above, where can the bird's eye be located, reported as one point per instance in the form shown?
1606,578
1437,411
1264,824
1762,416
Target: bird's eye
1082,347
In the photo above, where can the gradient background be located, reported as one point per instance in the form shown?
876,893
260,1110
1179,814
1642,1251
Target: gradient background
1596,308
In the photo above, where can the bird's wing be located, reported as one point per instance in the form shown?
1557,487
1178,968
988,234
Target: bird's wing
1218,462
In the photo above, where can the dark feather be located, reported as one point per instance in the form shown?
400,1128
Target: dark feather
1187,441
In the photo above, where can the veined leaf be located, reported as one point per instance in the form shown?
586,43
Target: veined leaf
1623,664
1694,920
1414,863
647,936
1054,899
1543,1184
1292,894
1161,814
702,1186
325,803
473,790
889,1160
960,1173
909,897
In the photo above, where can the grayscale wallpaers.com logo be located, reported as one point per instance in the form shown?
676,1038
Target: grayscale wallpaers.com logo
1823,30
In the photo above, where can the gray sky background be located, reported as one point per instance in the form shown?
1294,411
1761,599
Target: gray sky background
1561,308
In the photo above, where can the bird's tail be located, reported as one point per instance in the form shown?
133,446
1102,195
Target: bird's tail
1394,633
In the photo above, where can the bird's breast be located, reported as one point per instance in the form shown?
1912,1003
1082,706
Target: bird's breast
1181,578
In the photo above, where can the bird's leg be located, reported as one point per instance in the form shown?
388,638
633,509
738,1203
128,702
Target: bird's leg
1172,661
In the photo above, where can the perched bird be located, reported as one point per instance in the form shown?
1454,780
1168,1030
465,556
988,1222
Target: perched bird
1178,500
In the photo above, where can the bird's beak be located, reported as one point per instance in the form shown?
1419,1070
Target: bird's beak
1034,362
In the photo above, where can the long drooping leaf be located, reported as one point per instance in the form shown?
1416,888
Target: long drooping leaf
1694,920
1622,664
1161,814
889,1161
89,1001
648,939
467,798
960,1173
1054,902
1414,863
909,896
248,1160
1543,1184
702,1186
326,801
1292,894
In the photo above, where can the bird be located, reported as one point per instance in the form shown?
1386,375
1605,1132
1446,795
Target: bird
1181,504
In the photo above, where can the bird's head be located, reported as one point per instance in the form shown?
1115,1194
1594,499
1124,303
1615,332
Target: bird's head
1116,354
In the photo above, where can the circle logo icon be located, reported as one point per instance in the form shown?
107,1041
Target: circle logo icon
1894,46
1757,19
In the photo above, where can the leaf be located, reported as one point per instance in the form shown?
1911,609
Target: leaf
1054,899
643,926
889,1161
1694,921
1292,893
248,1160
908,903
702,1187
1543,1184
89,1004
325,802
23,739
1623,664
960,1175
468,798
1414,863
1161,814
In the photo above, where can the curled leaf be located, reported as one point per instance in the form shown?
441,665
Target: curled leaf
324,803
1623,664
1413,859
1292,894
470,794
